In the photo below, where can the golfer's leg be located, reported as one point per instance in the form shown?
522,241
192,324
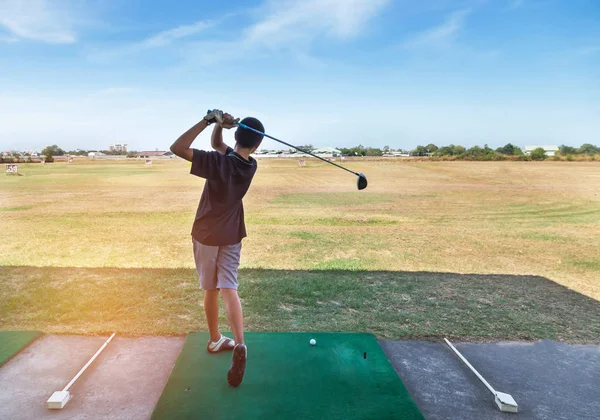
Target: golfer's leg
235,315
205,258
211,309
228,262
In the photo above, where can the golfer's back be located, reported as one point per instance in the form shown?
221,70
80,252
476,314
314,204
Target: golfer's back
220,216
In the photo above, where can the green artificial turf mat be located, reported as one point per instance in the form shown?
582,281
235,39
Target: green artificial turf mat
287,378
11,342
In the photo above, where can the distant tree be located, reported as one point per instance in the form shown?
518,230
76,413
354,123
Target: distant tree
419,151
386,149
479,153
474,151
78,152
538,154
510,149
567,150
53,150
445,151
588,149
458,150
431,148
374,151
308,147
359,150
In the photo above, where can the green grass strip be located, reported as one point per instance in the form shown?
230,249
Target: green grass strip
11,342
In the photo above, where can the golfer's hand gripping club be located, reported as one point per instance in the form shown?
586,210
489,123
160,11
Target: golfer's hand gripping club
214,116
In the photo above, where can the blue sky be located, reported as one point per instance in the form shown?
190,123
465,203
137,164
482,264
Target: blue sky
87,73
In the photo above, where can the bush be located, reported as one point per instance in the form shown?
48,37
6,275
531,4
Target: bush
570,157
510,149
567,150
538,154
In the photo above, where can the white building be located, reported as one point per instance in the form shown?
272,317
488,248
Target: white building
327,151
550,150
118,147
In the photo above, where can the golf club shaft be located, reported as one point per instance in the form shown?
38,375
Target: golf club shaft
297,148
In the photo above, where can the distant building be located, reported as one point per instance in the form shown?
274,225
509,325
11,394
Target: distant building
154,154
396,154
550,150
327,151
118,147
95,154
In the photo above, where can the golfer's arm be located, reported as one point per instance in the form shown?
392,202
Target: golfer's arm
181,147
216,140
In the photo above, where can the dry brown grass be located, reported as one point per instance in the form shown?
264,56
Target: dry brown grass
530,218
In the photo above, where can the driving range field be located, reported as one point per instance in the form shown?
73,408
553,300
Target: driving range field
478,251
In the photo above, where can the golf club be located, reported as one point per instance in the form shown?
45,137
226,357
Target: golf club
361,182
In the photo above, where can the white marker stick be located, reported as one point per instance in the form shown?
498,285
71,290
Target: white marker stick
60,398
505,402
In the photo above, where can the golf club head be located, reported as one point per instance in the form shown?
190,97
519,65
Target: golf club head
361,182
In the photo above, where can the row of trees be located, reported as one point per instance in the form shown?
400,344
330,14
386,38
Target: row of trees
456,151
461,152
486,153
360,150
54,150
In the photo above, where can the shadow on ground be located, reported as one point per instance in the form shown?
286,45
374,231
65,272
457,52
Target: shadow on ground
390,304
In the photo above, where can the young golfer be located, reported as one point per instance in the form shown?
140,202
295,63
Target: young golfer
219,225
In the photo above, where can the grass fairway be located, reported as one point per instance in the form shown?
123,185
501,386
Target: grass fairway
388,304
126,226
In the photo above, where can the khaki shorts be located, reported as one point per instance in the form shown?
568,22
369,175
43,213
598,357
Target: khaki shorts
217,266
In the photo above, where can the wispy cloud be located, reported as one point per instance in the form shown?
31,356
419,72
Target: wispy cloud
293,27
170,35
305,20
39,20
441,35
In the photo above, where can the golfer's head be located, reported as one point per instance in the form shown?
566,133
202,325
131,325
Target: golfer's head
249,139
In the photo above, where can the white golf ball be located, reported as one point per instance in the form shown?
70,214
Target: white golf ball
313,341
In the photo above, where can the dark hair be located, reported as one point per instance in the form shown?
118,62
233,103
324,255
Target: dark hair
248,138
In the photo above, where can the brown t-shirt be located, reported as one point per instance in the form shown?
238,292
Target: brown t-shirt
220,215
